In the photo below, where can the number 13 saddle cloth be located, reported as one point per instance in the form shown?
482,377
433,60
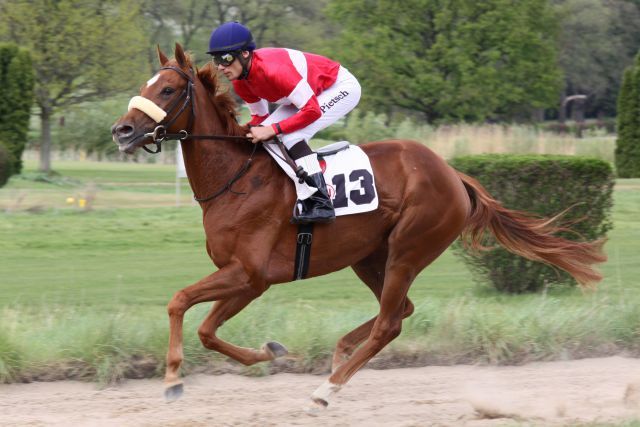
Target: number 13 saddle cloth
349,177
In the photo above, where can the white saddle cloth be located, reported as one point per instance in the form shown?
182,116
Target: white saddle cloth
348,174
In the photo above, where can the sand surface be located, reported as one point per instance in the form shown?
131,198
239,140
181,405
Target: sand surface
553,393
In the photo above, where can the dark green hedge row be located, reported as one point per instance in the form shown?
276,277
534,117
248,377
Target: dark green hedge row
628,142
545,186
16,93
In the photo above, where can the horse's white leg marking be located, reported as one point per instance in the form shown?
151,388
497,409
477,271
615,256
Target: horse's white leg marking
324,392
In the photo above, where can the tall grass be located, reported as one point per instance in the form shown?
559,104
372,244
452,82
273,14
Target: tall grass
456,140
107,345
452,141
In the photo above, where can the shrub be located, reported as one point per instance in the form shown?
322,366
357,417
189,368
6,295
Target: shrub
628,142
16,92
86,127
543,185
6,164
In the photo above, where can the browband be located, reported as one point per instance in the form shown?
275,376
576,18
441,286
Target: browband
148,107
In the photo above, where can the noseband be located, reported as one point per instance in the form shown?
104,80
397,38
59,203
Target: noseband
160,134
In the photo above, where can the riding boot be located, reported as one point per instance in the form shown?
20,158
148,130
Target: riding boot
317,208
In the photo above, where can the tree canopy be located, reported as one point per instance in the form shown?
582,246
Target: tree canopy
452,59
81,50
598,39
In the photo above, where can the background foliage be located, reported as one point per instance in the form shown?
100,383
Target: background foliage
444,61
454,59
16,95
82,51
544,186
628,142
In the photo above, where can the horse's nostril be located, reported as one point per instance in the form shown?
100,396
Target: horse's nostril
123,130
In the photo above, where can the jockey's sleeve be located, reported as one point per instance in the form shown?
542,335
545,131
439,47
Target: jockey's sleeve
258,107
299,93
308,113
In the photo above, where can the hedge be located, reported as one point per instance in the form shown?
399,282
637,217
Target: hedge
16,92
627,155
544,185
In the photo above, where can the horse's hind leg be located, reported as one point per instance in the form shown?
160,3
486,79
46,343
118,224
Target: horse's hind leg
407,257
386,327
348,343
371,272
221,312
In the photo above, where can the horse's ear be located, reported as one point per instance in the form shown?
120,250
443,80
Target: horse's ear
180,56
161,56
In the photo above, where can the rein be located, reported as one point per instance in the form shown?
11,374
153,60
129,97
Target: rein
160,134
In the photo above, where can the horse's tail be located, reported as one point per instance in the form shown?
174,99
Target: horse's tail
530,237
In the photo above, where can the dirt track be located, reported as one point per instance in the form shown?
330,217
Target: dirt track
555,393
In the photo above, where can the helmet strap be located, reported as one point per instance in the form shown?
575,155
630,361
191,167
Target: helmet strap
245,65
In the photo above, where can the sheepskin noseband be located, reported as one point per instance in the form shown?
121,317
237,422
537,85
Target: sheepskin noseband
148,107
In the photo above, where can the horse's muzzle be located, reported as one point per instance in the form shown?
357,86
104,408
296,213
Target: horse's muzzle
125,136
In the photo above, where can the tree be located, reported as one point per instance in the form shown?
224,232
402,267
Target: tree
272,22
16,93
451,59
627,156
81,50
598,39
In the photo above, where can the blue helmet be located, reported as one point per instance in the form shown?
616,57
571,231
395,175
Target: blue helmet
229,37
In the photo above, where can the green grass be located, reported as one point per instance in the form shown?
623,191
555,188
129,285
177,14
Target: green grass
85,292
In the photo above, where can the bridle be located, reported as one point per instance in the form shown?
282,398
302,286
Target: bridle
159,134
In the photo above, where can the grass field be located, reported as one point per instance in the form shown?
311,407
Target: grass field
84,291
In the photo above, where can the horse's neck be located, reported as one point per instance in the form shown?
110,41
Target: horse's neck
211,163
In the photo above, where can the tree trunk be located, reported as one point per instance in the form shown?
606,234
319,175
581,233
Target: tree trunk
562,111
45,139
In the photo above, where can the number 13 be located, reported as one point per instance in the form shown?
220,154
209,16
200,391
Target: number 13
365,194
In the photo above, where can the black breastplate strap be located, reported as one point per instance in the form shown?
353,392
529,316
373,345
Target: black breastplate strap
303,251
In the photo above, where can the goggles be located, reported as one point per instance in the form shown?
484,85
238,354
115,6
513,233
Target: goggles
224,59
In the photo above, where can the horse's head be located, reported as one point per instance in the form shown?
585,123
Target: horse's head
165,104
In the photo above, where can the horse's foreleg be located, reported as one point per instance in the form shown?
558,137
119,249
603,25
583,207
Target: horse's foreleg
221,312
225,283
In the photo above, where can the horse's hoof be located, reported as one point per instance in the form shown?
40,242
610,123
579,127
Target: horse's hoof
276,349
324,392
173,393
316,407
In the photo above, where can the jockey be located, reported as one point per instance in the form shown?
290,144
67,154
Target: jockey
312,91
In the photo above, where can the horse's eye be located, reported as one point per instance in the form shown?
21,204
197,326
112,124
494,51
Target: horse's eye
168,90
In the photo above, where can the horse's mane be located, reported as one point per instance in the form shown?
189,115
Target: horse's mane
221,99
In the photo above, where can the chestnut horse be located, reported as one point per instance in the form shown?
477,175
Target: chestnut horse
424,205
